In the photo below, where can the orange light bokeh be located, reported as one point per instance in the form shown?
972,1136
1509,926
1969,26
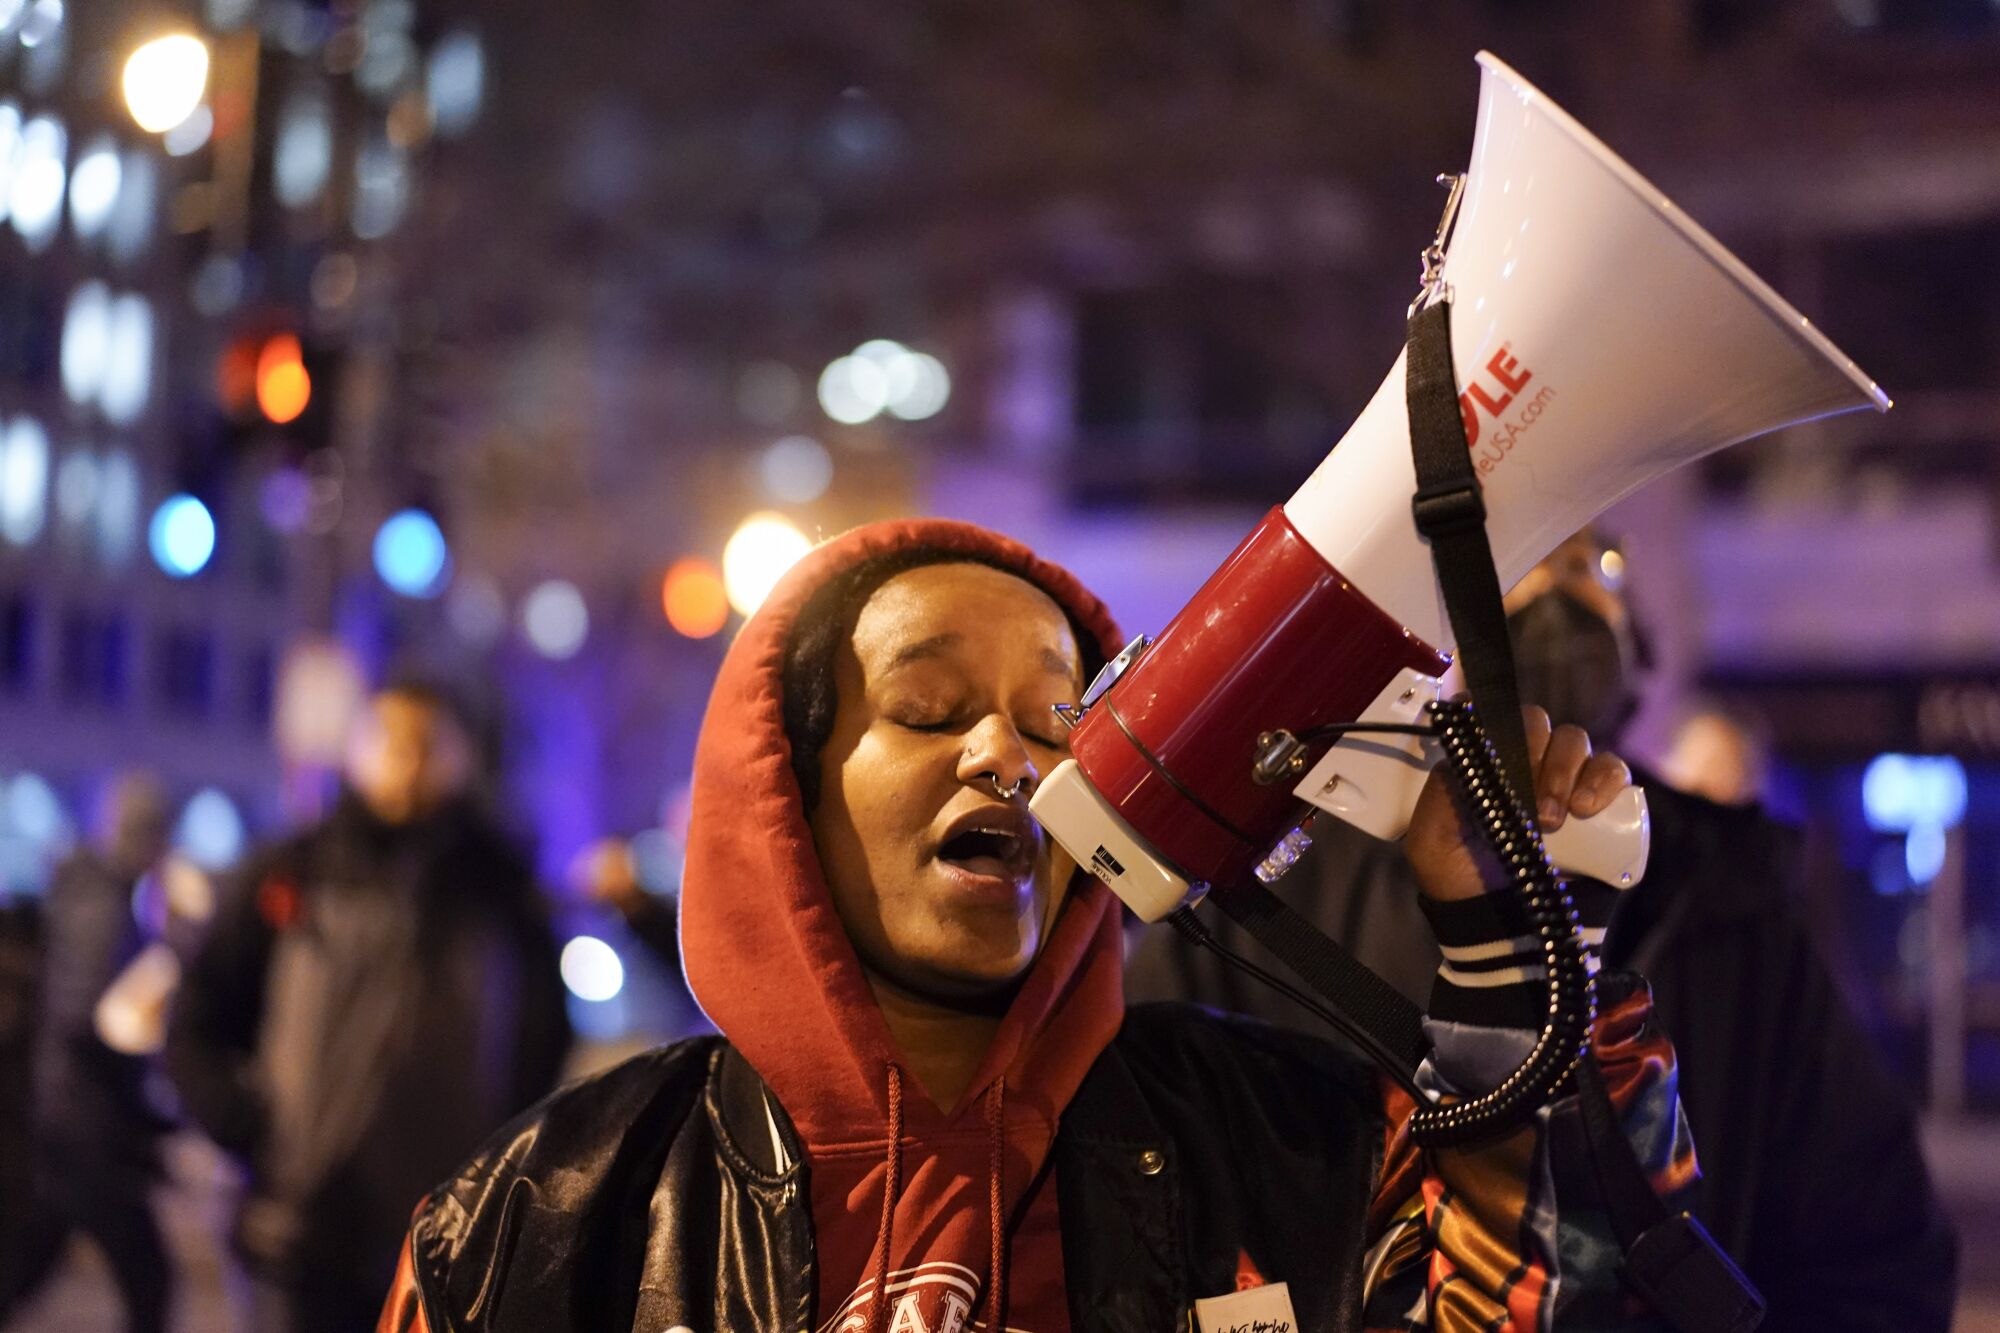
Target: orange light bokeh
693,597
283,386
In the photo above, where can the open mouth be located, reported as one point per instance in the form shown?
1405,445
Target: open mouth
983,852
998,844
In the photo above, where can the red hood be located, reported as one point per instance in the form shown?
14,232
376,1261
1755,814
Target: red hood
769,962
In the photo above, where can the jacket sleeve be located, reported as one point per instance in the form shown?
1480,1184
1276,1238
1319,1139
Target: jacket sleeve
403,1310
1512,1234
212,1037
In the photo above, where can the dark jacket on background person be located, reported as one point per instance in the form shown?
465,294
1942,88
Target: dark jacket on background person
1812,1175
1101,1170
96,1129
20,981
85,1092
371,1002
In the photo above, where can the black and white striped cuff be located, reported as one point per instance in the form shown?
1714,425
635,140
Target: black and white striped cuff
1492,974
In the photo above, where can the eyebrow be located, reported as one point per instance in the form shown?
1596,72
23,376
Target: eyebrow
938,645
1056,664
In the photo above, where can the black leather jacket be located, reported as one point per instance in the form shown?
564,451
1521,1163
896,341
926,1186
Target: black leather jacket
651,1196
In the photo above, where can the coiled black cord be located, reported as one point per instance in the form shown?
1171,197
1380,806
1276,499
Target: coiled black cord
1572,992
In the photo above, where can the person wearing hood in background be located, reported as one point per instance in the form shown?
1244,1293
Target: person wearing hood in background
929,1109
1812,1174
376,996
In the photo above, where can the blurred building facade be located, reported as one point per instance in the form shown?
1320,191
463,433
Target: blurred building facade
193,331
584,286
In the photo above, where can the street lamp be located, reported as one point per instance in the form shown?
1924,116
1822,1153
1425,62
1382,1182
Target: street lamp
165,79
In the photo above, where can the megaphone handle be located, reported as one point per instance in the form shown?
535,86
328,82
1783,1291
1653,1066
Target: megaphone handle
1610,845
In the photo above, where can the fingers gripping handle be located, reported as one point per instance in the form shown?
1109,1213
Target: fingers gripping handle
1371,780
1610,845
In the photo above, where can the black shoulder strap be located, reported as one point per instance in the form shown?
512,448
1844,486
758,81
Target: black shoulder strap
1450,511
1384,1023
1669,1258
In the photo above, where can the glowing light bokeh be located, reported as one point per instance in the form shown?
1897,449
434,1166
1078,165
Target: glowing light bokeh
928,387
1901,792
1923,853
381,190
93,187
35,812
284,388
411,555
128,362
555,619
35,195
76,488
24,480
42,21
656,861
302,156
211,832
164,81
477,611
881,376
86,341
796,470
131,228
182,536
592,969
694,598
455,82
10,151
757,556
191,135
852,390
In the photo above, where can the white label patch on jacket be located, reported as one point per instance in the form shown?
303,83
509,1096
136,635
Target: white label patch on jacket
1266,1309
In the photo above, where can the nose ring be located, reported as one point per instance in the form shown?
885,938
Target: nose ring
1005,793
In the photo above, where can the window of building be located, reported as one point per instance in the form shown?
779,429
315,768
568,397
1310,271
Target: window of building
184,672
93,652
18,633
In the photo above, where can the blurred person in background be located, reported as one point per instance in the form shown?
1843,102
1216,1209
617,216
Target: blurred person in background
1717,755
608,873
376,994
1812,1175
95,1130
20,979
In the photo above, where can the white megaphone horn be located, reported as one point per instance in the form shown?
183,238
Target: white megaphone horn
1600,338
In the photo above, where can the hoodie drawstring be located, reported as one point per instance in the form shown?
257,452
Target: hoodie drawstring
892,1185
996,1205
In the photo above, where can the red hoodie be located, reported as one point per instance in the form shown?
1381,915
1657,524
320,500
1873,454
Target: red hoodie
901,1189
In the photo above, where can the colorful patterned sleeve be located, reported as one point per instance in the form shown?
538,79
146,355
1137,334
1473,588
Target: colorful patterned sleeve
403,1308
1512,1236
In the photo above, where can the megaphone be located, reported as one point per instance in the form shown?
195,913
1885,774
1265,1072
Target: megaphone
1600,338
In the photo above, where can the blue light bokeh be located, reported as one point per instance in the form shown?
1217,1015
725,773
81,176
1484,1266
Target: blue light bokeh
411,555
1900,792
182,536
